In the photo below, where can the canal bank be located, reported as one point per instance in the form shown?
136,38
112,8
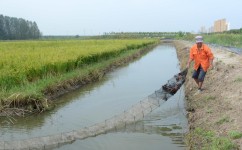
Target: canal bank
38,96
214,116
81,118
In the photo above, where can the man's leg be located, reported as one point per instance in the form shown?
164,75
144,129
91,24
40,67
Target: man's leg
200,85
198,76
197,82
201,77
195,76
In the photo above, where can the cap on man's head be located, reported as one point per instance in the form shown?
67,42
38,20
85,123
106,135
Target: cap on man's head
199,39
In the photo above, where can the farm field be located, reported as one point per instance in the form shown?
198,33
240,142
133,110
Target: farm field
37,64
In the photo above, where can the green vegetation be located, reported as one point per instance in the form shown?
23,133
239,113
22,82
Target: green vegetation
238,79
209,97
235,134
209,140
30,70
142,34
209,111
234,31
223,39
12,28
22,62
223,120
124,35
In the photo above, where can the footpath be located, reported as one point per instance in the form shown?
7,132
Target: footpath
218,107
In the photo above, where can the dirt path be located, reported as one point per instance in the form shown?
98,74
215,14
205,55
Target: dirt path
219,106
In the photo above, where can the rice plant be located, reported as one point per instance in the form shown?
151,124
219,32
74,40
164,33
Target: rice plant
24,62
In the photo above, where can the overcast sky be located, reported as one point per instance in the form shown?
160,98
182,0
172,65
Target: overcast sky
93,17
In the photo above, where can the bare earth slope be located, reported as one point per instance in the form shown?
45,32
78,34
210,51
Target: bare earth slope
219,106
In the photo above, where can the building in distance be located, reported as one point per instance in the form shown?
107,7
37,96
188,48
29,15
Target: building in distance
220,25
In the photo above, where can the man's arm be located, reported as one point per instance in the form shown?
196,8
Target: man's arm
211,57
191,58
211,63
189,62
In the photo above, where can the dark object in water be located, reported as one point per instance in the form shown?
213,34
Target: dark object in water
172,86
175,83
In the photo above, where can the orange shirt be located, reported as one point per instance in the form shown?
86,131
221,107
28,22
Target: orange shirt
201,57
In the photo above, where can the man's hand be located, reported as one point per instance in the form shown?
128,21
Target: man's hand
188,65
211,66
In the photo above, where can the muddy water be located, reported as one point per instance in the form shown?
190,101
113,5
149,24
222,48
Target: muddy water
117,92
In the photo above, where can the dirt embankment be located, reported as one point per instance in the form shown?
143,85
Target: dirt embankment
218,108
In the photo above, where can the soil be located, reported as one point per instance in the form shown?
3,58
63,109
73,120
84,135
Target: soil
218,107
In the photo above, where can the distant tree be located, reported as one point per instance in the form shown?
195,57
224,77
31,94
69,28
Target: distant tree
12,28
2,33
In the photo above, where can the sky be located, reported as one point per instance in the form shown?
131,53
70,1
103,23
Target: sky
95,17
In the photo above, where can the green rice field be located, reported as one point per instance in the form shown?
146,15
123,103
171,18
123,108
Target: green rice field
26,62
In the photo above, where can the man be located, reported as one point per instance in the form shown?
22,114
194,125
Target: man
202,56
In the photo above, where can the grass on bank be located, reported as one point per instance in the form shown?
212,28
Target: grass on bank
238,79
223,120
223,39
235,134
58,71
207,140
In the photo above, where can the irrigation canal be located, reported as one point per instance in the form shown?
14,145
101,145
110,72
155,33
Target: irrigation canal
163,128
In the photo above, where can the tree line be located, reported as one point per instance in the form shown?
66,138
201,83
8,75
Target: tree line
12,28
235,31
